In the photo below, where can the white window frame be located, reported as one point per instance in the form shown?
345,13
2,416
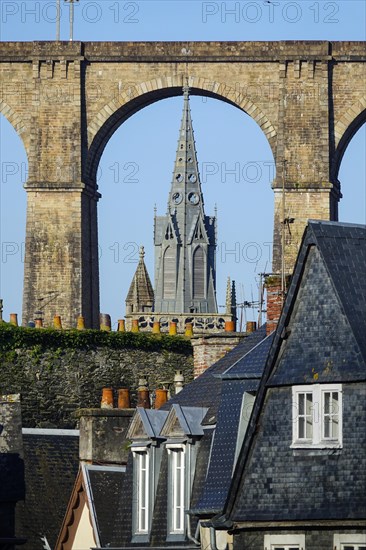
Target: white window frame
351,539
142,521
314,419
177,475
271,542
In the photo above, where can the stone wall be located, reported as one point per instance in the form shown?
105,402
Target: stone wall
54,383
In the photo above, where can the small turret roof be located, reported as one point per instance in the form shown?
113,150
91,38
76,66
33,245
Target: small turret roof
141,291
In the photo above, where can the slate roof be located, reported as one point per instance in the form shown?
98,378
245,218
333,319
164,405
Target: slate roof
243,376
325,310
105,485
51,460
331,305
205,391
141,292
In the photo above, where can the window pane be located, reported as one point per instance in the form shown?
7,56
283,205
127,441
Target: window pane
309,403
301,403
327,403
301,428
309,427
177,495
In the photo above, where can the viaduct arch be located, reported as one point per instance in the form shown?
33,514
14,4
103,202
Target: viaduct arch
66,99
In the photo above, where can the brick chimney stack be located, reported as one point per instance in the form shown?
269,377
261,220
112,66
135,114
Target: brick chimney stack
274,301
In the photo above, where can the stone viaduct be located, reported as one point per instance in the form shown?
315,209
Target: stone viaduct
65,100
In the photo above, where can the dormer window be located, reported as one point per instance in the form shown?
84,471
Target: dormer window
177,488
142,475
317,416
144,432
182,429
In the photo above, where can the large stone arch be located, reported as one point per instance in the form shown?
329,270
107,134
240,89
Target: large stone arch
118,110
344,130
17,123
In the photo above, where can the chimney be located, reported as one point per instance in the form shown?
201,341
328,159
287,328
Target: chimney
105,322
80,323
124,401
251,326
107,398
143,394
274,301
178,381
57,324
161,397
14,319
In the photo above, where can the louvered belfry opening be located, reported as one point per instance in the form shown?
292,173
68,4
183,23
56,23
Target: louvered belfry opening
198,274
169,273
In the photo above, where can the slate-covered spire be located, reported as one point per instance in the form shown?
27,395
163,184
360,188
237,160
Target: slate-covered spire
185,175
140,296
185,239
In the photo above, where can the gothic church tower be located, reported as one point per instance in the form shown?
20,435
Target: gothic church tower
185,238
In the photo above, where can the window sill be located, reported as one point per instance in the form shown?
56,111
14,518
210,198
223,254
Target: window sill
176,537
323,445
140,538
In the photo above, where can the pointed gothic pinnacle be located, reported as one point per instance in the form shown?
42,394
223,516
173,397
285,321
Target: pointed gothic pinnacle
142,252
228,297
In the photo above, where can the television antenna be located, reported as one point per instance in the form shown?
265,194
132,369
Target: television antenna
71,18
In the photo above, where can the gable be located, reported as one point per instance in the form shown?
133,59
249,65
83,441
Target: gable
198,232
137,428
320,345
172,426
84,536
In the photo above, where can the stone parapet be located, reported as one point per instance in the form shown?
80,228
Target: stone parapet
201,323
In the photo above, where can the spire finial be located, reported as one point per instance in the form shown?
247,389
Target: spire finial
142,252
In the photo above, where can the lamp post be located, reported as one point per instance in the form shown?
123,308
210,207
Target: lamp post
58,17
71,2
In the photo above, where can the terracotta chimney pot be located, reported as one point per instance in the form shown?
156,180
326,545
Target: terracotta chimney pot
135,325
156,327
107,398
161,397
124,401
189,330
57,322
172,328
80,323
143,394
14,319
105,322
121,325
38,323
229,326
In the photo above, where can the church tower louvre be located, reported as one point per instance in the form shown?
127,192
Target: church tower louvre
185,238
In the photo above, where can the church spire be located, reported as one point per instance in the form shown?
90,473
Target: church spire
186,180
185,239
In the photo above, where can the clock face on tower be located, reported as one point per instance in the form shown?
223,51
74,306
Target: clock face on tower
177,198
193,198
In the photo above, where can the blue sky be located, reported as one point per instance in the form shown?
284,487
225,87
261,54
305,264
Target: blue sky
235,160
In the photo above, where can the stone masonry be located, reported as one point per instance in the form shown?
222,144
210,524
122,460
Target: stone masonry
66,100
